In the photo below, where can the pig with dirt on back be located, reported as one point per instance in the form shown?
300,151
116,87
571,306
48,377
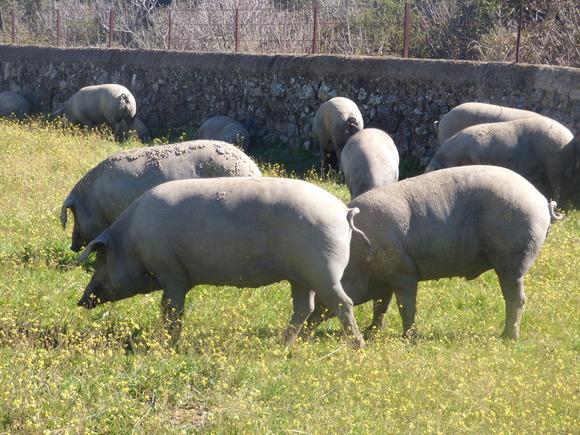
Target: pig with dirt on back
105,191
244,232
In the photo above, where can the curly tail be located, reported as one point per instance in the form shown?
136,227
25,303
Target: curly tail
554,215
352,212
352,125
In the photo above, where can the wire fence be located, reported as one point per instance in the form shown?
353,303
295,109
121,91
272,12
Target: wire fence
424,28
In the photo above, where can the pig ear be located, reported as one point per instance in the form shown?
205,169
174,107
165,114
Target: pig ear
68,203
98,243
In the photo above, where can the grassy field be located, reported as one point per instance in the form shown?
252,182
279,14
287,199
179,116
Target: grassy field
64,369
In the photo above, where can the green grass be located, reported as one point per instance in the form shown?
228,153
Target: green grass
65,369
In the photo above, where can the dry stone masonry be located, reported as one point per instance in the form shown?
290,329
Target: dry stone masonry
276,96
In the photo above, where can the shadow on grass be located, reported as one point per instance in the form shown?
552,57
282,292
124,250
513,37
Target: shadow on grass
57,256
299,162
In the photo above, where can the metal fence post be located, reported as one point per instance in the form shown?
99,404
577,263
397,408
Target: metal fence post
237,31
13,24
406,29
519,31
58,28
111,26
169,29
315,30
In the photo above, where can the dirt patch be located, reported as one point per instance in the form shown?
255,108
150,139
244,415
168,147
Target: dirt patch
189,416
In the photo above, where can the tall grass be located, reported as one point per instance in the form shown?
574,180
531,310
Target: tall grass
64,369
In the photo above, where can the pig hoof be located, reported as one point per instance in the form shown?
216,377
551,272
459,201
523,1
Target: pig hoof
411,334
291,335
358,342
371,331
511,334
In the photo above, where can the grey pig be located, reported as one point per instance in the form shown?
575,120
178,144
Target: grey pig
369,159
94,105
540,149
335,121
12,103
245,232
105,191
225,129
473,113
454,222
468,114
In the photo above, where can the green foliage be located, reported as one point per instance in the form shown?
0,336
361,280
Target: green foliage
377,30
109,370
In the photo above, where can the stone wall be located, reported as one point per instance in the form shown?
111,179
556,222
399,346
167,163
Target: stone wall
276,96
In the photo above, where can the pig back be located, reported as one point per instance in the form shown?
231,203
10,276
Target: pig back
468,114
243,232
450,222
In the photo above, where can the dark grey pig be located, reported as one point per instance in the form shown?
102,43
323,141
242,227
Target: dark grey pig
539,148
225,129
454,222
141,130
245,232
94,105
369,159
108,189
12,103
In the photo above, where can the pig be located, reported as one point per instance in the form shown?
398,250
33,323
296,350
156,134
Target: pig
225,129
335,121
141,130
369,159
455,222
468,114
105,191
539,148
12,103
94,105
244,232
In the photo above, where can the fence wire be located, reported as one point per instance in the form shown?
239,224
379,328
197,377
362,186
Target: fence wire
453,29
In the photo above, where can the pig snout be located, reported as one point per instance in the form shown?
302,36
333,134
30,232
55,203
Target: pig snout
77,241
75,246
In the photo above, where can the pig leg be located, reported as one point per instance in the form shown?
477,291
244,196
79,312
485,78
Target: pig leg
379,309
172,303
324,163
319,315
303,304
339,302
515,299
555,183
406,294
120,130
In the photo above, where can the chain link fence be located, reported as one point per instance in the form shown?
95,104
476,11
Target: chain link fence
532,31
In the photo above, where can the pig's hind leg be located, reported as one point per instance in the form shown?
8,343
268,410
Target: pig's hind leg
338,301
380,306
405,287
515,299
303,305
